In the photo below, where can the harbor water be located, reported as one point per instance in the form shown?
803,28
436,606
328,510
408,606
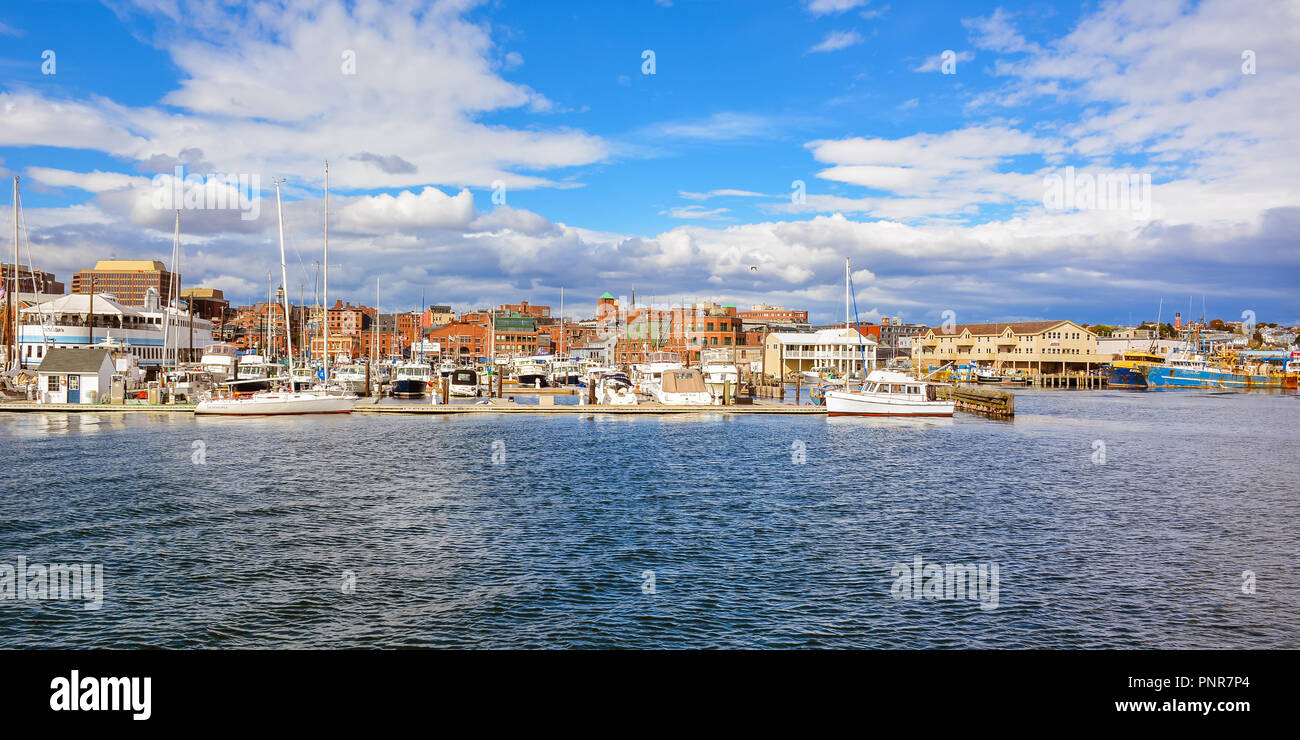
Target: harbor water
1114,519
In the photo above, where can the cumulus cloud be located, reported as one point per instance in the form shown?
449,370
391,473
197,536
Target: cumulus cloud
836,40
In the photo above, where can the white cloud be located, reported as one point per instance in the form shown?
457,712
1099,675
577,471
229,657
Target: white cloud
836,40
831,7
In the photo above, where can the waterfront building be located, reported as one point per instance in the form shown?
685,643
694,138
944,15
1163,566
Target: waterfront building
525,309
463,341
896,338
841,349
439,315
1030,346
69,375
128,280
773,315
30,280
208,303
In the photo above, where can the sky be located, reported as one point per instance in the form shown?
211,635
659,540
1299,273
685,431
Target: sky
1002,161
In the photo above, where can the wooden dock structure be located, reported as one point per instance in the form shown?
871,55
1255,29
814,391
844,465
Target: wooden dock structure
992,402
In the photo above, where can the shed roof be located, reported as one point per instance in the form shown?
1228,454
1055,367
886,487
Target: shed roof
69,360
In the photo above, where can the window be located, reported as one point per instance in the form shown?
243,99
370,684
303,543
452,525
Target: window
52,383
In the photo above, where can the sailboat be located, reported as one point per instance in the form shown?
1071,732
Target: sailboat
319,400
884,392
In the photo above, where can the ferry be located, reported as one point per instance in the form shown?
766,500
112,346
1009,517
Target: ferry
155,335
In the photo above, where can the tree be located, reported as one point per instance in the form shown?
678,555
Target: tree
1101,330
1217,324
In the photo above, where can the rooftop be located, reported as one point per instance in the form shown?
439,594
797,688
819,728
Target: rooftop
127,265
67,360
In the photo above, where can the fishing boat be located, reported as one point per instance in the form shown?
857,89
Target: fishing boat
411,380
1130,372
888,393
683,387
986,374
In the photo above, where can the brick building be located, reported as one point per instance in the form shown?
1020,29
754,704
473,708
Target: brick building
128,280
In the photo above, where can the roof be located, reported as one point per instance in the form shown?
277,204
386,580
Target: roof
67,360
997,327
214,293
606,296
79,303
825,336
126,265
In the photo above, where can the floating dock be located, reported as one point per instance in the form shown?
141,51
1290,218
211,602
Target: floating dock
364,407
998,404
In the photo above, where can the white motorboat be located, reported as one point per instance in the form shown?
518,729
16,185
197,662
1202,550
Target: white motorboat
565,372
615,389
646,376
720,378
820,373
219,361
189,384
887,393
683,387
350,377
270,403
446,368
464,383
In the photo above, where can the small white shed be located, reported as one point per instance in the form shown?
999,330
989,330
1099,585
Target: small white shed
75,375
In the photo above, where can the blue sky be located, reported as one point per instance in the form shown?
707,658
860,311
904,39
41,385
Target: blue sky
929,176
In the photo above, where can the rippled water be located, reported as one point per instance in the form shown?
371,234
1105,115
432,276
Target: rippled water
748,548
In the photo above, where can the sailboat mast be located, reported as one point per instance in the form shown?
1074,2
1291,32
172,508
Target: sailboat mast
284,280
846,292
11,296
561,320
327,273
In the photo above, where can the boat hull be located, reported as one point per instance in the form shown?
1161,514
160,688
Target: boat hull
1166,377
1126,378
844,403
410,388
277,404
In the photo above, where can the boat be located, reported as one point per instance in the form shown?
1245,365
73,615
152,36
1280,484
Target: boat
721,378
220,360
322,400
1130,372
533,377
446,368
565,372
646,376
411,380
464,383
683,387
986,374
888,393
351,377
255,373
615,389
825,372
269,403
1189,369
191,384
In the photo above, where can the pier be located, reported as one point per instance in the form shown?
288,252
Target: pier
497,407
998,404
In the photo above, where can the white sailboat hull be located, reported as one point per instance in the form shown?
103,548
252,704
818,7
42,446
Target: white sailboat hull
847,403
277,404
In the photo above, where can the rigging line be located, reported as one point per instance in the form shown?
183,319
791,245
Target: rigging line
36,288
853,294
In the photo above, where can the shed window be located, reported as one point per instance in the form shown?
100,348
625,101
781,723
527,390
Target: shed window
52,383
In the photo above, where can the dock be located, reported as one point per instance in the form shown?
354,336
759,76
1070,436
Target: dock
998,404
364,407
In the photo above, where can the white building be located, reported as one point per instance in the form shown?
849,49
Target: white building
75,375
842,350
